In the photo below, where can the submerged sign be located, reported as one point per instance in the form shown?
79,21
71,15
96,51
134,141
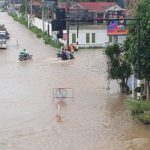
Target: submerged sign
118,26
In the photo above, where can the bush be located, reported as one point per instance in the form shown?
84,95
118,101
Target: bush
47,40
34,29
21,20
144,117
38,35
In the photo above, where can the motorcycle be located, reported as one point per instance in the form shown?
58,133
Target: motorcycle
66,56
24,58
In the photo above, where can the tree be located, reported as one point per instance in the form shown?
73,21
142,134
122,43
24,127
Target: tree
143,12
23,7
118,69
120,3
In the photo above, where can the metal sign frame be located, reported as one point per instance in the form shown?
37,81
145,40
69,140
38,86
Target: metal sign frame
63,93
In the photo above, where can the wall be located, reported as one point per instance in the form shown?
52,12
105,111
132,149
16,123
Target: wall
40,24
100,37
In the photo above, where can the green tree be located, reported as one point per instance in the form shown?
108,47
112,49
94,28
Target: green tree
143,12
118,69
23,6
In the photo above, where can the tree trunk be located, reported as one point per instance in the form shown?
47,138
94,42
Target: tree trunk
123,87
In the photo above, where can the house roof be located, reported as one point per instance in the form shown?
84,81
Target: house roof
90,6
96,6
36,3
62,5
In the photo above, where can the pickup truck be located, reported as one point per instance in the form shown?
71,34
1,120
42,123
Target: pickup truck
4,35
3,28
3,39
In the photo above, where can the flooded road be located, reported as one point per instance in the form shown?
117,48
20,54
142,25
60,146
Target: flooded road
94,120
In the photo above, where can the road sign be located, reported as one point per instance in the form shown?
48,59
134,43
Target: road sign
117,25
63,93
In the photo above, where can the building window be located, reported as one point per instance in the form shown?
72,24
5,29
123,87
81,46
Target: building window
110,38
116,39
73,38
93,37
87,37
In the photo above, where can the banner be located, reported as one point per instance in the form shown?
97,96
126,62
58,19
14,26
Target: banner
118,26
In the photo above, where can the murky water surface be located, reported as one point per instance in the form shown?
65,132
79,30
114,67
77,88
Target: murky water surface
94,120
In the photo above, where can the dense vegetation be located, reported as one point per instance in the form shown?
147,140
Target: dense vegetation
139,108
118,68
130,49
131,46
143,12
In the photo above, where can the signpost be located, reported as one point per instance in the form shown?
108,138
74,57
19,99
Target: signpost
116,23
60,94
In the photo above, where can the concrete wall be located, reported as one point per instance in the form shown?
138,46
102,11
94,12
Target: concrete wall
42,25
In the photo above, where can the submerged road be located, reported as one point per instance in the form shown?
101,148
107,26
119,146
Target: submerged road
95,119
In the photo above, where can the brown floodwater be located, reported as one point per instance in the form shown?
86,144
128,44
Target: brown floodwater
95,119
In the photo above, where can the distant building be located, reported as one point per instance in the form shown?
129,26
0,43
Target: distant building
93,35
89,10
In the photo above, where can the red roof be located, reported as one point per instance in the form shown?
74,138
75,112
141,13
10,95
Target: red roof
96,6
90,6
62,5
36,3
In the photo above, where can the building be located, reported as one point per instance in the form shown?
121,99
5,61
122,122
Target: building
89,10
85,35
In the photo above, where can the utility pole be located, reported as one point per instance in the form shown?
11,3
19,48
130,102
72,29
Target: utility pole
68,24
26,17
48,19
77,42
31,8
43,15
138,60
30,15
50,11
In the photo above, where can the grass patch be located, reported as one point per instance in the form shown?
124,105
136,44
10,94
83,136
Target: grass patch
140,109
144,117
21,20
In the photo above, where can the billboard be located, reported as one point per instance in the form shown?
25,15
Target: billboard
118,26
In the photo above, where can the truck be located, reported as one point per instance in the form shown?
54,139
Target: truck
3,39
4,35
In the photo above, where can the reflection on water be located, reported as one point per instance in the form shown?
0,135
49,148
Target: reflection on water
94,120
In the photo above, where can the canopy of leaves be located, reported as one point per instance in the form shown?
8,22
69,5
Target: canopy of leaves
117,66
131,44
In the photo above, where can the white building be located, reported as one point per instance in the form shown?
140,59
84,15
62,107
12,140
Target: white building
91,36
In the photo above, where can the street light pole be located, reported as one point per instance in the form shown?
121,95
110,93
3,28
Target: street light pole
77,42
138,60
